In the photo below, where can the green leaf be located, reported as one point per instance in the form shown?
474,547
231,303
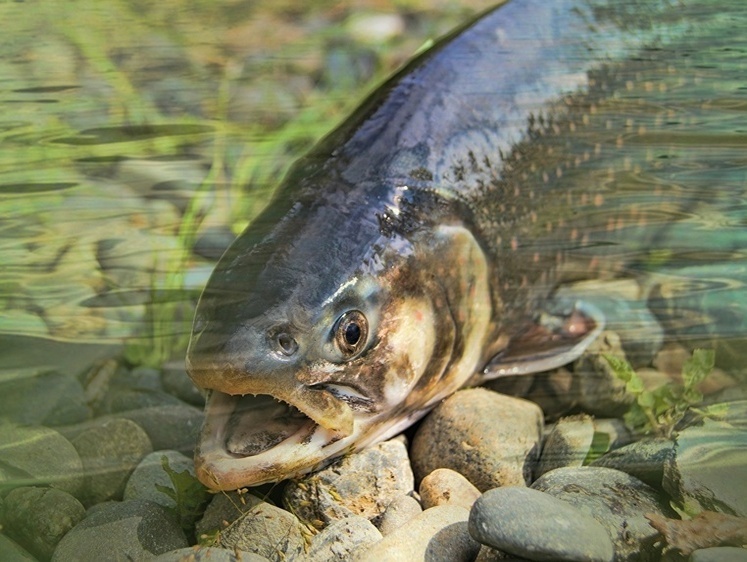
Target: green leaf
697,367
620,367
188,493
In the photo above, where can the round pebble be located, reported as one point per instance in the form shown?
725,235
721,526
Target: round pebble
341,538
535,525
491,439
568,444
150,473
399,511
208,554
444,486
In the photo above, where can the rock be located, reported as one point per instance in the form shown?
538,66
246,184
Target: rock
615,499
49,399
340,538
488,554
110,451
399,511
208,554
568,444
644,459
438,534
535,525
709,468
37,456
149,473
268,531
614,430
224,509
38,518
175,380
491,439
719,554
444,486
169,427
11,551
131,530
360,484
375,28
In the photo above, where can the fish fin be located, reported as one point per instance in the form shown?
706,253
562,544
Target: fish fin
556,339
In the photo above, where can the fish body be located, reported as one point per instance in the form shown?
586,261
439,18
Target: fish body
418,246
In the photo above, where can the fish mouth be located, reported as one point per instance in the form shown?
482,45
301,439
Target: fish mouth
253,439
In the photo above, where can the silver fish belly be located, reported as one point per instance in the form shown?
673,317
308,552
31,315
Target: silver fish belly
417,247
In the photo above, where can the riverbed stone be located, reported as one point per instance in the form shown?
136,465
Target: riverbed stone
11,551
131,530
38,518
363,483
342,537
37,456
150,473
208,554
110,451
568,444
708,469
49,399
169,427
399,511
616,500
224,509
439,534
531,524
719,554
175,380
268,531
445,486
644,459
491,439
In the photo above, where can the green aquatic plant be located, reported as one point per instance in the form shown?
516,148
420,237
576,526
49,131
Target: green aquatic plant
658,411
189,495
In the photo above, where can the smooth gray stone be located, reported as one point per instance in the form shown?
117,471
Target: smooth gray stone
49,399
38,518
224,509
149,473
175,380
616,500
719,554
709,468
535,525
644,459
11,551
439,534
110,451
490,439
568,444
339,539
169,427
131,530
37,456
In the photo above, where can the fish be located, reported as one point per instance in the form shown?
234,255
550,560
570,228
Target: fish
419,247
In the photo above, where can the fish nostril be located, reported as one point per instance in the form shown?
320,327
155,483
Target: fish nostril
286,343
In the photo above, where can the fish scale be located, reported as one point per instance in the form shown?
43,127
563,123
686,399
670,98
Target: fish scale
541,144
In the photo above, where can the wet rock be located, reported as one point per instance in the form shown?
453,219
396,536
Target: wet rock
360,484
617,501
444,486
719,554
708,469
134,530
38,455
110,450
644,459
438,534
176,381
401,510
11,551
224,509
339,539
49,399
169,427
568,444
488,554
491,439
38,518
208,554
268,531
531,524
614,431
149,473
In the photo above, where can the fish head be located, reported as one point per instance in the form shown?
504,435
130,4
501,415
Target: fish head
311,347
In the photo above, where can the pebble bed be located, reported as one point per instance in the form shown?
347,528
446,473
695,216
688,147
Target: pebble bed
484,477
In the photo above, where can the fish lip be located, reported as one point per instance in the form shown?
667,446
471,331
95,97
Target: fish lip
300,450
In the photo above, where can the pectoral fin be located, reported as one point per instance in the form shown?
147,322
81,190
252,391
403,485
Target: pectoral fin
556,339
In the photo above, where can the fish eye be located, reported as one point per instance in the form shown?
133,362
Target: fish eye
351,332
